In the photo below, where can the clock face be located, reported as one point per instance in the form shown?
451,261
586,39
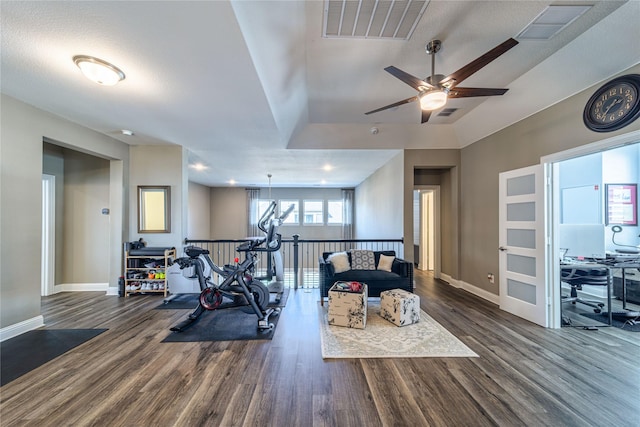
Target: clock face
614,105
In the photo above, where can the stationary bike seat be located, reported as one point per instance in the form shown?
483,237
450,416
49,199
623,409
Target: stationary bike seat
194,251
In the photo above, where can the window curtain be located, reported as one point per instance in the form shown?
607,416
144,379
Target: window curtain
253,194
347,213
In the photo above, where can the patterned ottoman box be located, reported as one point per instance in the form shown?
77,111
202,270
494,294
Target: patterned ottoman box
347,308
400,307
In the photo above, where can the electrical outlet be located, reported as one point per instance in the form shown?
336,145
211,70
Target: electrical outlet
491,278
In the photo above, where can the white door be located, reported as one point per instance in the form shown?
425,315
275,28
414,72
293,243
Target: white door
522,244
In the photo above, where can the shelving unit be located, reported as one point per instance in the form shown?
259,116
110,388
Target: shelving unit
141,270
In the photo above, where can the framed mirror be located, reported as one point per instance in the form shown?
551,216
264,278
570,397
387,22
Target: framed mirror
154,209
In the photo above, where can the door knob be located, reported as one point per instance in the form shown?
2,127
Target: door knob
502,248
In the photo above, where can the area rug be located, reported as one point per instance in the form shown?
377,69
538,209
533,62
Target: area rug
630,324
225,324
32,349
190,301
382,339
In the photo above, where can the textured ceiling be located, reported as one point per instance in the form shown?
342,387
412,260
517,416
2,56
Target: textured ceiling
252,87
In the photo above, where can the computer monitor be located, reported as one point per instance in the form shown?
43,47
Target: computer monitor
582,240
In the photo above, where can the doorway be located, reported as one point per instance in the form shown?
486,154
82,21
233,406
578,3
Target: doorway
427,228
556,213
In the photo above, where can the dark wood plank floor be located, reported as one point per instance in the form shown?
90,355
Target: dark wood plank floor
525,376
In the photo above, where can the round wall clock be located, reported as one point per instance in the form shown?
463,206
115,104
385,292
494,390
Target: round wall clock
615,105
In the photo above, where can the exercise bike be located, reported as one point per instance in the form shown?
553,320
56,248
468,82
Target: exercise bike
237,284
273,241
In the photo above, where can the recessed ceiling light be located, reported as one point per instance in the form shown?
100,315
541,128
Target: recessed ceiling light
98,70
232,182
327,167
127,132
198,166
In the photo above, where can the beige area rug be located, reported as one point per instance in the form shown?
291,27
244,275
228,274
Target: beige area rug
381,338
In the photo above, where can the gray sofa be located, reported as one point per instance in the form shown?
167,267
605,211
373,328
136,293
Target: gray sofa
400,276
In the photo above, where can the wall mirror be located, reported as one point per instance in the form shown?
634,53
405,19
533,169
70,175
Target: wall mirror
154,209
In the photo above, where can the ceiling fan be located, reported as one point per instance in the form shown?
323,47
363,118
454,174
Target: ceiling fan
436,89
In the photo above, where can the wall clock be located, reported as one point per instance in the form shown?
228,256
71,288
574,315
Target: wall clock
614,105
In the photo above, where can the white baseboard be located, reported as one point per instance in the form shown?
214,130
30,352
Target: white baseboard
81,287
493,298
112,291
21,327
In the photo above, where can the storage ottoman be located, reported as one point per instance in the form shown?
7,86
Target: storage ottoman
348,308
400,307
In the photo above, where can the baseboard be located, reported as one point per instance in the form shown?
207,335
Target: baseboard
493,298
81,287
21,327
112,291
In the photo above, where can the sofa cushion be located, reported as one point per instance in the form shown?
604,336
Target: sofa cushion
385,262
362,260
365,276
340,262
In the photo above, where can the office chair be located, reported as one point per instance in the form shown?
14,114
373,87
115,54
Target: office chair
577,276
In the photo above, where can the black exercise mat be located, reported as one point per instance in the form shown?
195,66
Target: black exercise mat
228,324
32,349
190,301
618,322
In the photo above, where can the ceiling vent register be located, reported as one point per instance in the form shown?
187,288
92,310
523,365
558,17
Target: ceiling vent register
372,19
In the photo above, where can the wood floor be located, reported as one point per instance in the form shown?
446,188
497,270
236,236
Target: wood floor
525,376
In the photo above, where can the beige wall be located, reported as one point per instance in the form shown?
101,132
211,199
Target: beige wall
228,213
198,216
160,165
21,156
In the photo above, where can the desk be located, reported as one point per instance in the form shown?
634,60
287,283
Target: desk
624,265
588,274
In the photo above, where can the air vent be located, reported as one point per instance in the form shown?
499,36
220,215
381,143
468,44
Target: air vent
372,19
551,21
447,112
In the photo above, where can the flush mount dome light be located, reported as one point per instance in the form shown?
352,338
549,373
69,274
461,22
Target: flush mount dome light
98,71
433,100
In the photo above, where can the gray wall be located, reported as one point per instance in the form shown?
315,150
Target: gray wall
435,167
21,155
553,130
379,206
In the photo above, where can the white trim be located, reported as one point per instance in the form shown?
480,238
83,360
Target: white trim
485,295
81,287
47,270
21,327
112,291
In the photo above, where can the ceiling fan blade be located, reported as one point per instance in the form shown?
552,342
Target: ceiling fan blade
425,115
468,92
412,81
457,77
395,104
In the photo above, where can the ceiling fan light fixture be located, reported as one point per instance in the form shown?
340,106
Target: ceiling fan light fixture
433,100
98,70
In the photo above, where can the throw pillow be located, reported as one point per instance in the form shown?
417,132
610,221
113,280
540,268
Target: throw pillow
385,262
362,260
339,261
